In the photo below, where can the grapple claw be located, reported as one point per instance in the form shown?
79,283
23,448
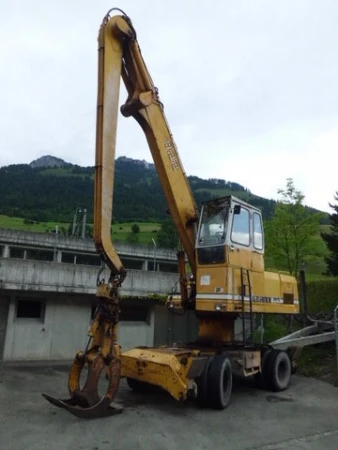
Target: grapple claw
102,409
86,402
56,401
102,357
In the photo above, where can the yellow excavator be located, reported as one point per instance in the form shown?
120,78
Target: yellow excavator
223,244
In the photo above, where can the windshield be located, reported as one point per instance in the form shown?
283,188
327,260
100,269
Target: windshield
213,223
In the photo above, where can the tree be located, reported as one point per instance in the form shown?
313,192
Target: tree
132,238
331,240
135,228
167,236
289,233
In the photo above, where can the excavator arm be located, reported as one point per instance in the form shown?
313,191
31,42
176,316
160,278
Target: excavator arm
120,57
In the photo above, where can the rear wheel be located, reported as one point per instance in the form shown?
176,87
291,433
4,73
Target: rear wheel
278,370
261,377
220,382
202,398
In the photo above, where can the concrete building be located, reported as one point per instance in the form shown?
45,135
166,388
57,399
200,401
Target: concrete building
47,296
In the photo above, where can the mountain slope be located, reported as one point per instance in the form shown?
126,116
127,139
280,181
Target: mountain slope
53,189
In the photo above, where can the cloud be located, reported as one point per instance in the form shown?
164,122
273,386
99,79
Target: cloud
249,88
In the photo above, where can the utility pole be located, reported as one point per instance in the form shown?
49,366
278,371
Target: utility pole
84,220
74,222
154,242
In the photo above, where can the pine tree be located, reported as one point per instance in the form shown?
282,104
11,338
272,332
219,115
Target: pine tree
331,240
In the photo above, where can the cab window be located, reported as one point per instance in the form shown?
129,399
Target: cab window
213,224
258,232
241,227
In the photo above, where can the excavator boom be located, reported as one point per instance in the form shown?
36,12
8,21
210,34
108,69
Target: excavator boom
120,57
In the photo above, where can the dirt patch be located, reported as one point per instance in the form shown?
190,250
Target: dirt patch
319,361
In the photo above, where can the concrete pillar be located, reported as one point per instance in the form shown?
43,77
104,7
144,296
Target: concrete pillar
145,265
58,256
25,254
4,308
5,252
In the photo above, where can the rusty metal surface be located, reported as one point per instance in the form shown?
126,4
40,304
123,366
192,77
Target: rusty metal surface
86,402
102,409
101,357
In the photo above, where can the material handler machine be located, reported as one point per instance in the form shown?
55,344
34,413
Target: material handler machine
223,243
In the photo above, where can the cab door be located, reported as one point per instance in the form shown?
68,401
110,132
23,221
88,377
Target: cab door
240,241
245,242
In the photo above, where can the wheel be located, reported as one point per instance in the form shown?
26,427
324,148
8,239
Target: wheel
278,370
202,398
136,385
261,378
220,382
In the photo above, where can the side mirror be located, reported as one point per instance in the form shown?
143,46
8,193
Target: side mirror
237,209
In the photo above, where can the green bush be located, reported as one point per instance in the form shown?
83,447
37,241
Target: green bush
322,295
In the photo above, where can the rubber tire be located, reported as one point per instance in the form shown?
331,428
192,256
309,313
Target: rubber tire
220,382
278,360
136,385
261,378
202,398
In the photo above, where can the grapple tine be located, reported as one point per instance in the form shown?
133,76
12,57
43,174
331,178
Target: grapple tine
102,356
102,409
57,401
85,403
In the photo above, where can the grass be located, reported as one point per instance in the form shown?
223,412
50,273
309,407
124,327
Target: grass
315,361
17,223
145,227
120,231
148,230
319,361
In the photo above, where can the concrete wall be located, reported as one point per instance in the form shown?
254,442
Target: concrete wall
133,334
42,276
56,336
62,330
73,244
67,290
171,328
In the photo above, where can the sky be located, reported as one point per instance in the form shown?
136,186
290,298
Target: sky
249,87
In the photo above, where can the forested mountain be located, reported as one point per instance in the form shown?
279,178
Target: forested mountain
48,190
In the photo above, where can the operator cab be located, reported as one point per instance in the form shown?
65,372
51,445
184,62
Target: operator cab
228,225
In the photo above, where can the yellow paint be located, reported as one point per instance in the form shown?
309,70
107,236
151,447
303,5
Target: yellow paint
120,55
166,368
221,330
226,281
218,287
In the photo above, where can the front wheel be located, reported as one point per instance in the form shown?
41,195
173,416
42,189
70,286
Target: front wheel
220,382
202,382
136,385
